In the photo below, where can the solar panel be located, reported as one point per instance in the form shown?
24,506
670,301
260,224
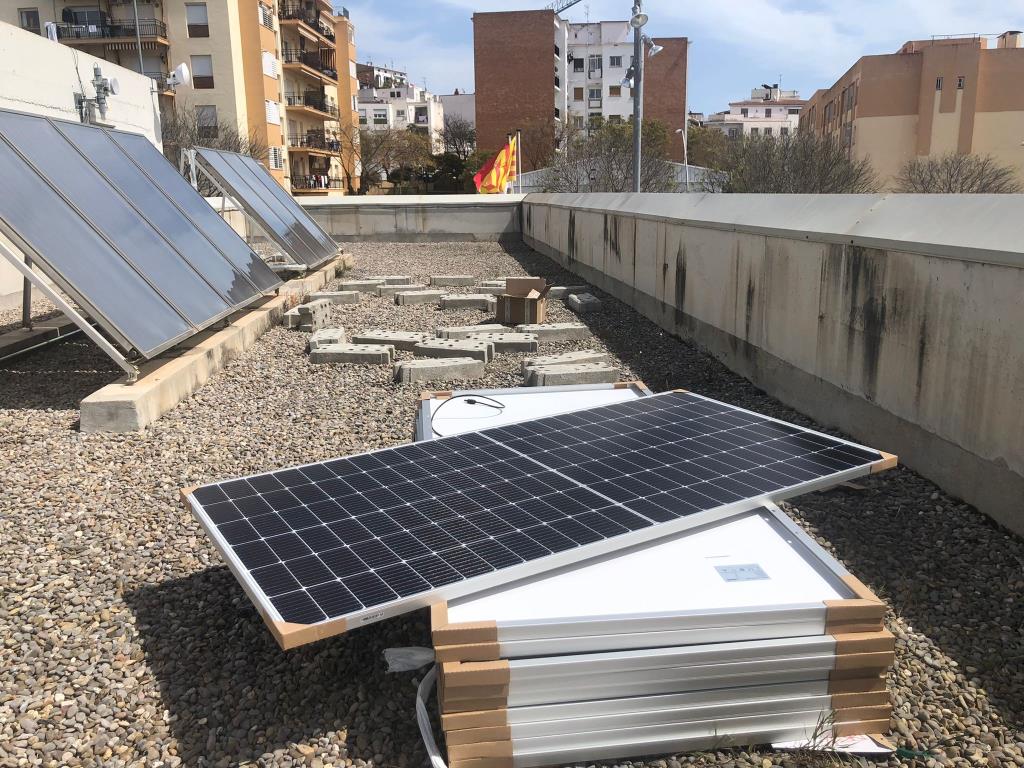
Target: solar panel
326,546
265,200
137,264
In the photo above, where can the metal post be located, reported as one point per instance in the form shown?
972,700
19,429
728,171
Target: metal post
138,34
26,299
686,114
638,95
508,143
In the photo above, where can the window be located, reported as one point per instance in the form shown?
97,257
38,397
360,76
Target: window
362,117
355,105
754,131
273,110
938,83
577,94
380,117
614,119
276,157
614,90
558,114
400,114
767,131
960,82
615,62
744,111
28,18
577,65
269,64
594,63
793,111
196,20
784,131
202,72
206,120
594,93
768,112
396,94
267,16
578,121
734,133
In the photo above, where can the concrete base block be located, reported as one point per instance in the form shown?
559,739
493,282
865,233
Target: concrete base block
566,358
440,280
498,282
556,331
584,373
492,305
561,291
336,297
313,315
508,342
291,319
478,350
373,354
326,337
465,301
463,331
491,290
393,279
391,290
444,369
418,297
583,302
404,340
363,286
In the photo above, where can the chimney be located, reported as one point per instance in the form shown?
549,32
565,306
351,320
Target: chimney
1010,39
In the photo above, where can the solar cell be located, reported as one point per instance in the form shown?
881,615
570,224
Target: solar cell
630,477
281,217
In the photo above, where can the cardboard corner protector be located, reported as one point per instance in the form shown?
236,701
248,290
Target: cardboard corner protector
291,635
888,461
184,493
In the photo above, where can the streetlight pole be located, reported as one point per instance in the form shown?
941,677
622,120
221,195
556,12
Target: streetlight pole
638,89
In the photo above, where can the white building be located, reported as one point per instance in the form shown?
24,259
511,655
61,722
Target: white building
769,111
599,54
399,107
460,105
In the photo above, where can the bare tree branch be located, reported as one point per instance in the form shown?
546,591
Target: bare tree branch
956,173
458,136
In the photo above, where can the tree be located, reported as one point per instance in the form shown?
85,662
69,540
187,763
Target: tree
603,161
805,163
954,172
541,139
189,127
707,147
458,136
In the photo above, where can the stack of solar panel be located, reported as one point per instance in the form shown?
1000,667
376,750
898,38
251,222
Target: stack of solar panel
743,631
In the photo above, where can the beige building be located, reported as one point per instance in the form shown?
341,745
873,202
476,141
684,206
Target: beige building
270,68
959,94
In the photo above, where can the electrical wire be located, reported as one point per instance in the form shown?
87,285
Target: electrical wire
471,399
423,718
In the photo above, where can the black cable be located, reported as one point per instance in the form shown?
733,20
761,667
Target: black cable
470,399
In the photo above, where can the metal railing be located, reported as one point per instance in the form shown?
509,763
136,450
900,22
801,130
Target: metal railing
313,100
322,60
308,16
316,181
159,79
147,28
314,140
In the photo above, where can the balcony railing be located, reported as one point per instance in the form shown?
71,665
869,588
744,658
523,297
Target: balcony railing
314,140
159,79
316,182
322,60
313,100
310,17
147,28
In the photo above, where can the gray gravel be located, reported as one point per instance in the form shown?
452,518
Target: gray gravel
125,641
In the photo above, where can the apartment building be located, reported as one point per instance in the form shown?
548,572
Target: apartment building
268,69
402,105
954,94
535,67
769,111
371,75
460,105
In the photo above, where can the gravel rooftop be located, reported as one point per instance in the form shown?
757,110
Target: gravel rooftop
124,640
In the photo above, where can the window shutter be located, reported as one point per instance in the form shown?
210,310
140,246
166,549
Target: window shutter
273,112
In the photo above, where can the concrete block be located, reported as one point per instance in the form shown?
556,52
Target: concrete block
464,301
451,280
405,340
508,342
492,290
492,305
462,331
391,290
373,354
494,283
291,319
582,303
363,286
583,373
556,331
418,297
567,358
393,279
326,337
443,369
335,297
313,315
561,291
478,350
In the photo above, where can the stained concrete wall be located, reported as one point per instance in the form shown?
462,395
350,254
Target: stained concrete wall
418,218
894,318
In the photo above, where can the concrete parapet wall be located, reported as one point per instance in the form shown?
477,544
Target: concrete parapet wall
418,218
895,318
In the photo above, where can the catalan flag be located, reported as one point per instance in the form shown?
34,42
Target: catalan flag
498,171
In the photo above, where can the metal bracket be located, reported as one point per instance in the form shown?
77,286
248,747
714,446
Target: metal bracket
69,311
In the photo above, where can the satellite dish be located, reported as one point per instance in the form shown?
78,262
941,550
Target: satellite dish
180,76
115,87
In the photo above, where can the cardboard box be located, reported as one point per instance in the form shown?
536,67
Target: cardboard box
523,301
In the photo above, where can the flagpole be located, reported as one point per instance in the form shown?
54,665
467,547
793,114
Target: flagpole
508,143
519,159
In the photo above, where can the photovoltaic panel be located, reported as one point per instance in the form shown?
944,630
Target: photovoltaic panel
323,547
265,200
143,269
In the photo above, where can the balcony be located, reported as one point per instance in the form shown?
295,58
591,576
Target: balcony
311,18
317,63
316,142
318,184
159,79
108,32
312,101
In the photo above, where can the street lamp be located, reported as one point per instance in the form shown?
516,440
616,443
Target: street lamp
638,20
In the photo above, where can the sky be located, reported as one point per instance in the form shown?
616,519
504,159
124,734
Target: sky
735,44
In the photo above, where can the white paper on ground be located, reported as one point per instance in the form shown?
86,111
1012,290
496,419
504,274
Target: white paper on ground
856,745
